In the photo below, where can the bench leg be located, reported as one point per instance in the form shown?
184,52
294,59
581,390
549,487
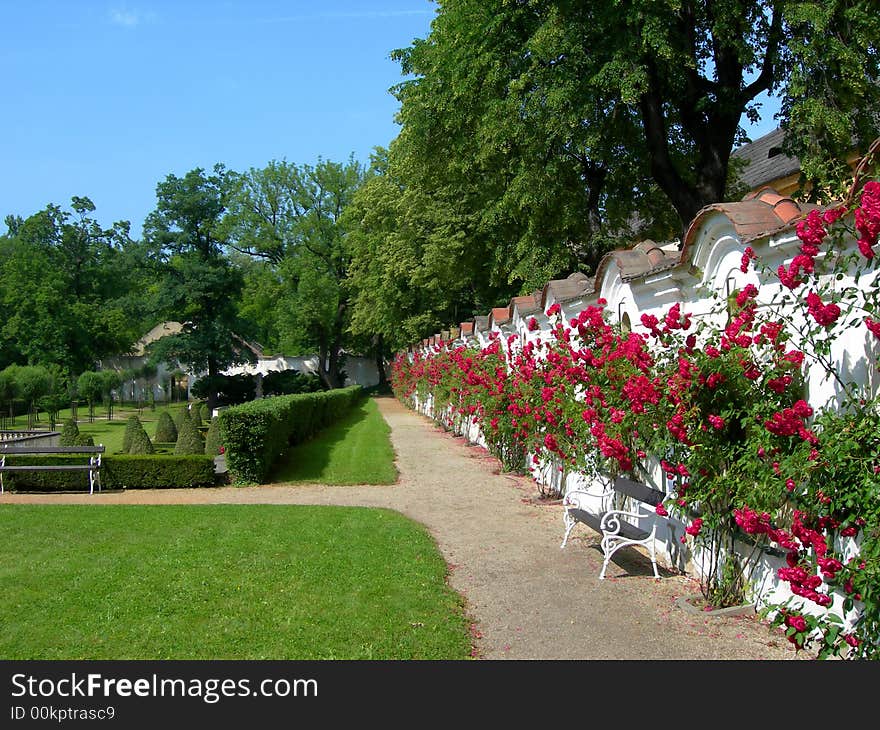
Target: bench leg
610,547
569,526
654,558
604,566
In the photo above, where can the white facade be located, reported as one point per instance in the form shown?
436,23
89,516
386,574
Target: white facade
699,274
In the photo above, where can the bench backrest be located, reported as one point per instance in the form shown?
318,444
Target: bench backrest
36,450
638,491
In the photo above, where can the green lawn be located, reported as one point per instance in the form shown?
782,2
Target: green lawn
106,432
356,450
223,582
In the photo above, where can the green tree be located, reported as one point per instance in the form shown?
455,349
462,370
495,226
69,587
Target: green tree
291,217
90,385
111,381
620,99
56,396
65,295
199,285
30,384
7,393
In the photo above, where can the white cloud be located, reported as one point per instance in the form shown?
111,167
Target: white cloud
128,17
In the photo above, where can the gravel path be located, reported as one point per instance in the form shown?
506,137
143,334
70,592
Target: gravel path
527,599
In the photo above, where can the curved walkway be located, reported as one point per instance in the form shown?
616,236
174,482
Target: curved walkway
527,598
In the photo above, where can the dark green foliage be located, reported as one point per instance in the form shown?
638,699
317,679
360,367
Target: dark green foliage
256,434
189,440
199,279
131,425
288,382
69,433
195,414
205,412
140,442
118,471
84,440
212,438
157,472
230,389
48,481
166,430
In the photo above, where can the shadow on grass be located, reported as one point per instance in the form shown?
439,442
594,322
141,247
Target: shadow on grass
355,450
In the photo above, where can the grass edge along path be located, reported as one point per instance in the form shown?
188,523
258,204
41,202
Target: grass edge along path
355,450
246,582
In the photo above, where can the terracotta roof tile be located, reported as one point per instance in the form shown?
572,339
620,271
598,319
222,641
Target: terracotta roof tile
759,214
528,304
574,286
499,315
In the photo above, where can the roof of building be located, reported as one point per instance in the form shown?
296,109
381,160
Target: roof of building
574,286
499,315
761,213
765,161
139,349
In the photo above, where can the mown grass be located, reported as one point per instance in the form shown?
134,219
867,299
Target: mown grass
104,431
223,582
355,450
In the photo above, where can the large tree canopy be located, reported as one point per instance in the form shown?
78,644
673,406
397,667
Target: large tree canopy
552,124
199,285
65,289
290,217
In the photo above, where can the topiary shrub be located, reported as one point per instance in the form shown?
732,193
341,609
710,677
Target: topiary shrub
166,430
212,438
189,440
140,442
131,425
206,413
83,440
195,415
69,433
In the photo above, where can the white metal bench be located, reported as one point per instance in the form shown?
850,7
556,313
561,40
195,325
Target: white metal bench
618,527
93,467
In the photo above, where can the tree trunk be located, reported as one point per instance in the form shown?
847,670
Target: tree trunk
212,379
379,355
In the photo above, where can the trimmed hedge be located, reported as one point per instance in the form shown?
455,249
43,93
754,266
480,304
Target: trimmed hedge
140,442
256,434
212,438
166,429
189,440
119,471
69,434
157,472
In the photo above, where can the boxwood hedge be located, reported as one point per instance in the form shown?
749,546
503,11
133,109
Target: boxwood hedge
119,471
257,433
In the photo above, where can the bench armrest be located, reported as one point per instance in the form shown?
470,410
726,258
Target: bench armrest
612,518
573,497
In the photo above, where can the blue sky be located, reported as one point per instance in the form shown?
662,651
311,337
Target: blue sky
105,99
